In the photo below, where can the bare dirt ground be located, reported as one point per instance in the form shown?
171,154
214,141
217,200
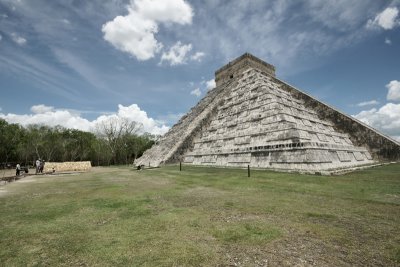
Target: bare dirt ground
11,172
29,177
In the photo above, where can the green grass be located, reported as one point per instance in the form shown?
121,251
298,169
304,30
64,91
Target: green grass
201,217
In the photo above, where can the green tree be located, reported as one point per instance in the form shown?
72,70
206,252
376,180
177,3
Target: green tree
10,135
115,132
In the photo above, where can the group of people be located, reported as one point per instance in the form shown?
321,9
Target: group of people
18,169
39,166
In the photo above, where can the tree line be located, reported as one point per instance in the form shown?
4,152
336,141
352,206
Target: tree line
113,141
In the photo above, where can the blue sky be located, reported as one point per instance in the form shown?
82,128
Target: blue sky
76,62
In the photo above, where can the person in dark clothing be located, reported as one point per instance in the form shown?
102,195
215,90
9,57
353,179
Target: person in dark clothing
17,170
41,166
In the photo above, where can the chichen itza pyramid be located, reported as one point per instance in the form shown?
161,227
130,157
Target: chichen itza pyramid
253,118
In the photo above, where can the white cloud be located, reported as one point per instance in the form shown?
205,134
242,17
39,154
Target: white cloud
134,113
51,116
18,39
1,37
135,32
388,41
394,90
196,92
385,119
210,84
134,35
387,19
176,54
198,56
165,11
40,109
368,103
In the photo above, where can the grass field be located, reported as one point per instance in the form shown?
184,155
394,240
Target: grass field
201,217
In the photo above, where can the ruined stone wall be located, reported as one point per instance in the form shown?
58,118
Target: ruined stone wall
67,166
381,147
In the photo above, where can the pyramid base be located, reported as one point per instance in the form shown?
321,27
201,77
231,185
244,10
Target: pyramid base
306,159
317,171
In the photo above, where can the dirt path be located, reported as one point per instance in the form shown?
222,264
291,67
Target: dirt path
32,177
23,179
11,172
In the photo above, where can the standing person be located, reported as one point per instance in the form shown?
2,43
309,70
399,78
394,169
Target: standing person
37,166
41,166
17,170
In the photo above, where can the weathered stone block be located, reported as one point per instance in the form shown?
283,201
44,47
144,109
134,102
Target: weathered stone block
67,166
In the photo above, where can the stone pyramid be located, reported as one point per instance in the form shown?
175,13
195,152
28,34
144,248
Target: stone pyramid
253,118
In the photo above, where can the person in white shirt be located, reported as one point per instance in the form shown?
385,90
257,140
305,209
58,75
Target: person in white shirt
37,165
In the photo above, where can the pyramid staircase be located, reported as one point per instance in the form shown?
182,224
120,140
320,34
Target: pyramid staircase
180,137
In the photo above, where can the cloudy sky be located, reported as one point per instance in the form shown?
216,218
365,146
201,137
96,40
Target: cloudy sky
75,62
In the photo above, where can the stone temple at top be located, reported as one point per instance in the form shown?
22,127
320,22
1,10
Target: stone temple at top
253,118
